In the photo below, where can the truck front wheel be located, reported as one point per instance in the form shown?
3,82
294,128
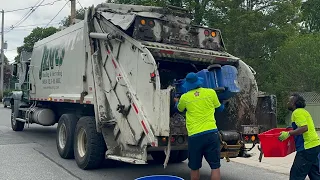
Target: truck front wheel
65,135
16,125
89,145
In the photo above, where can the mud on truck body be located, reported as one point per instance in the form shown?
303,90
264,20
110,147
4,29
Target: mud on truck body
109,82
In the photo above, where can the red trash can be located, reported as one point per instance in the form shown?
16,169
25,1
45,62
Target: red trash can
273,147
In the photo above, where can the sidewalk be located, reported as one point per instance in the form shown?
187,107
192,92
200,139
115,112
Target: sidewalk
279,165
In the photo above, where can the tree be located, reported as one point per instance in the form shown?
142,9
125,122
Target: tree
295,69
197,7
311,15
36,35
79,15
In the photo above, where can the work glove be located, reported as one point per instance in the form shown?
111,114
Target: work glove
284,135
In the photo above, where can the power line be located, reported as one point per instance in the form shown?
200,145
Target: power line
80,4
52,3
28,29
32,25
57,14
68,4
26,16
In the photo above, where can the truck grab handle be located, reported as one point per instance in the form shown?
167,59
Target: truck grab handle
104,36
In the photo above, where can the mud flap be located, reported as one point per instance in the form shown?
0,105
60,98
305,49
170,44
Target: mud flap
167,153
261,153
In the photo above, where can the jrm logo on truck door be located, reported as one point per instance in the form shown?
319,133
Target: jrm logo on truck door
51,57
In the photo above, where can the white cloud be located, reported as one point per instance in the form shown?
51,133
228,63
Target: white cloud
41,16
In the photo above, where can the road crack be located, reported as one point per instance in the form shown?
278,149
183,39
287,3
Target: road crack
69,172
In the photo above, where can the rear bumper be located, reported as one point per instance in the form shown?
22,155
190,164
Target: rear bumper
230,145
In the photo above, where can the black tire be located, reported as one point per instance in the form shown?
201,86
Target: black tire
16,125
93,150
213,67
66,125
175,156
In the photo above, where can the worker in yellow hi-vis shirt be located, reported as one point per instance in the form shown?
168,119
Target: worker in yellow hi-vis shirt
306,139
203,137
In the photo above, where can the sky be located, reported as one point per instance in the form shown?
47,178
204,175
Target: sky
40,17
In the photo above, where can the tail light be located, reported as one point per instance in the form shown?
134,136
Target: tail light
153,75
208,33
164,139
253,138
173,139
143,22
213,34
149,22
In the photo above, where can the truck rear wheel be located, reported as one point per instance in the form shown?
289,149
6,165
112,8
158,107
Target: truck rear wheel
89,145
65,135
16,125
175,156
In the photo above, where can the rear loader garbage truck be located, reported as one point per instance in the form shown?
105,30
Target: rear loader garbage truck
109,82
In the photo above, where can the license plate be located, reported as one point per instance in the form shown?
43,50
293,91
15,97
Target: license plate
249,129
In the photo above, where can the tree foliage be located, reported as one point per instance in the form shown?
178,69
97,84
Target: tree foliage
36,35
79,15
311,15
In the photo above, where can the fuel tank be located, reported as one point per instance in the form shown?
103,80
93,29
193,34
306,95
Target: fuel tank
42,116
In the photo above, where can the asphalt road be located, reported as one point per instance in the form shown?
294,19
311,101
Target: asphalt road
31,154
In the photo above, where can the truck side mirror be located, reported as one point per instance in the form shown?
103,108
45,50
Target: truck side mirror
15,70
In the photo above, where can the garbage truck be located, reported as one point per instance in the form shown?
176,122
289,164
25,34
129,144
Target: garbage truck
109,81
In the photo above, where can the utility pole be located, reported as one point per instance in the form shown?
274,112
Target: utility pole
2,56
73,12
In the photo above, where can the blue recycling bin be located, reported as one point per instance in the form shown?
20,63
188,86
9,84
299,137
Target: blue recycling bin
160,177
226,78
211,79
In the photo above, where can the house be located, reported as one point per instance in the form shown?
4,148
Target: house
313,106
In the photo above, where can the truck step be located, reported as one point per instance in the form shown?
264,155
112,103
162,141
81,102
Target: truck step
24,109
107,123
126,159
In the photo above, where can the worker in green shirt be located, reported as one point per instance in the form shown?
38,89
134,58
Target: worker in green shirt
203,137
306,139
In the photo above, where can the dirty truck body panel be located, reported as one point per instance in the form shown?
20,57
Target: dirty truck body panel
119,66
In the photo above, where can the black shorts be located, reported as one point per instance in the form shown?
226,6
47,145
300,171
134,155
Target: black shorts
207,145
306,163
